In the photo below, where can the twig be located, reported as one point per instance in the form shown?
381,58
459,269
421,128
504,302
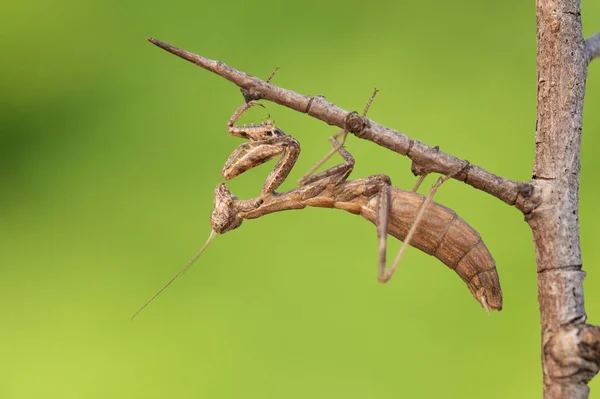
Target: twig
592,45
425,158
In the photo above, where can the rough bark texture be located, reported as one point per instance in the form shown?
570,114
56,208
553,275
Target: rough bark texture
562,61
550,202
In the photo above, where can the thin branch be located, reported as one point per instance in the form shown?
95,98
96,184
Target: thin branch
425,158
592,45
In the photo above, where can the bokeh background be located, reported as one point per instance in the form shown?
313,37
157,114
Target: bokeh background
110,149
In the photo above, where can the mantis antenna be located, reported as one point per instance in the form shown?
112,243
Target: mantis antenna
179,273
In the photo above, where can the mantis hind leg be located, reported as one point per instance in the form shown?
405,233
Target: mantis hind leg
382,226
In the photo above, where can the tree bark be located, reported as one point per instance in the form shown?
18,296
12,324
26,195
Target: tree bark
562,61
550,202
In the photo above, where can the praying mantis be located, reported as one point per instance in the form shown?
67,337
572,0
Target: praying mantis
407,215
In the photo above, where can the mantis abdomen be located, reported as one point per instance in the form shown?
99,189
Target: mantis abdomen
443,234
440,233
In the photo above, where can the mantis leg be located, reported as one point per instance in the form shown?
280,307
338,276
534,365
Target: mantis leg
290,153
241,151
240,111
341,171
344,169
383,219
252,154
381,228
383,211
419,181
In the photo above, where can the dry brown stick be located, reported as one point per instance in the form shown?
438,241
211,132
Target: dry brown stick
425,158
592,45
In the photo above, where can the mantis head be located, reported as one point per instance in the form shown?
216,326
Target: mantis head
225,216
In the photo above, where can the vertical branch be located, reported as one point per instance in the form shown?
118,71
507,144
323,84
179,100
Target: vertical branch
562,60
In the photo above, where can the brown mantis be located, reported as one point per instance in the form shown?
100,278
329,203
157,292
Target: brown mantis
407,215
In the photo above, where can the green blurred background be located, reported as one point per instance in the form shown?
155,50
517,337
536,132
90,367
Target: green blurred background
110,149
